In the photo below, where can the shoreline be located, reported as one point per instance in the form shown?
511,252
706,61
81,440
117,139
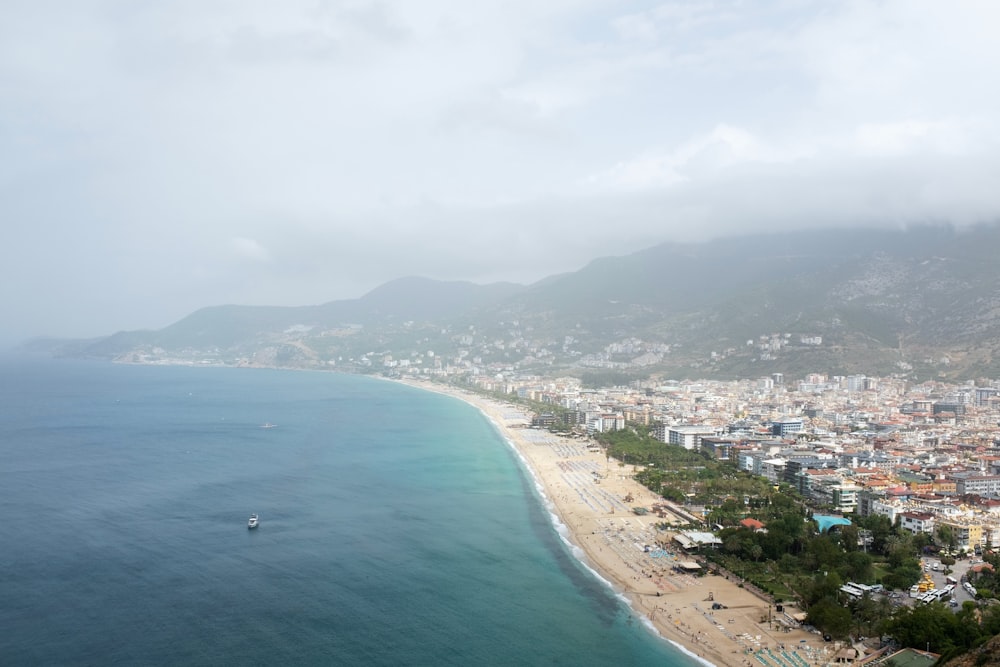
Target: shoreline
585,493
581,490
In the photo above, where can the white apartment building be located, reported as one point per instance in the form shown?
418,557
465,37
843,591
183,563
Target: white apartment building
983,485
845,496
773,470
917,522
688,437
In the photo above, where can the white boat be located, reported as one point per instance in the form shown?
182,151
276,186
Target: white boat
253,522
268,425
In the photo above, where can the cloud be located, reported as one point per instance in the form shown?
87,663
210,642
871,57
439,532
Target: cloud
907,137
250,249
724,147
160,158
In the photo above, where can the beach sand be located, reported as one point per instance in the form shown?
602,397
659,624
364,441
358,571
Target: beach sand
589,493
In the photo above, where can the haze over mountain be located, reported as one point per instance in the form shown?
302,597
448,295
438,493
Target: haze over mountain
158,157
923,302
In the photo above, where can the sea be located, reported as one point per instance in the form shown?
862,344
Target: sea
397,527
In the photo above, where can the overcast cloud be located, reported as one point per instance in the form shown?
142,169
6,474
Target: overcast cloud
160,157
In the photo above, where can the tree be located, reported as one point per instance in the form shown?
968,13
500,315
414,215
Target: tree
733,544
788,563
865,612
946,535
830,617
921,540
903,576
672,493
858,567
883,614
930,625
899,548
824,585
880,527
849,537
822,553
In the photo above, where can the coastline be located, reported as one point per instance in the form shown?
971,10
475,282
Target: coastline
586,493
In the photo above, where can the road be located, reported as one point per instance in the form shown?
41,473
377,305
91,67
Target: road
958,570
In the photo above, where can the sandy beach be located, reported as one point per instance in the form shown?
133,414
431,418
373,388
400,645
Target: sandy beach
594,498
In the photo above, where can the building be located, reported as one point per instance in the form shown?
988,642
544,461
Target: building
796,463
785,427
967,534
751,460
721,448
545,420
816,484
688,437
845,496
976,483
985,396
773,470
917,522
957,409
693,539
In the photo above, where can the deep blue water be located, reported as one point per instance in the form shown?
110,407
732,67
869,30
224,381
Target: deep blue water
396,528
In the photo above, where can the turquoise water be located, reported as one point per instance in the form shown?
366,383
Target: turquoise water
396,528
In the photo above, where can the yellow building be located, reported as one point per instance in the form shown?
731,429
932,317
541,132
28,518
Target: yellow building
968,533
944,486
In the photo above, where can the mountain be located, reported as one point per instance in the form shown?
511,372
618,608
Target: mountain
399,300
923,302
842,301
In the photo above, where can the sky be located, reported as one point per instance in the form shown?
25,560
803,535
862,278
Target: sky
156,158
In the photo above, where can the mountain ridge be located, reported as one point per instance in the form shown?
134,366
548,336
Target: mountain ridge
923,300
